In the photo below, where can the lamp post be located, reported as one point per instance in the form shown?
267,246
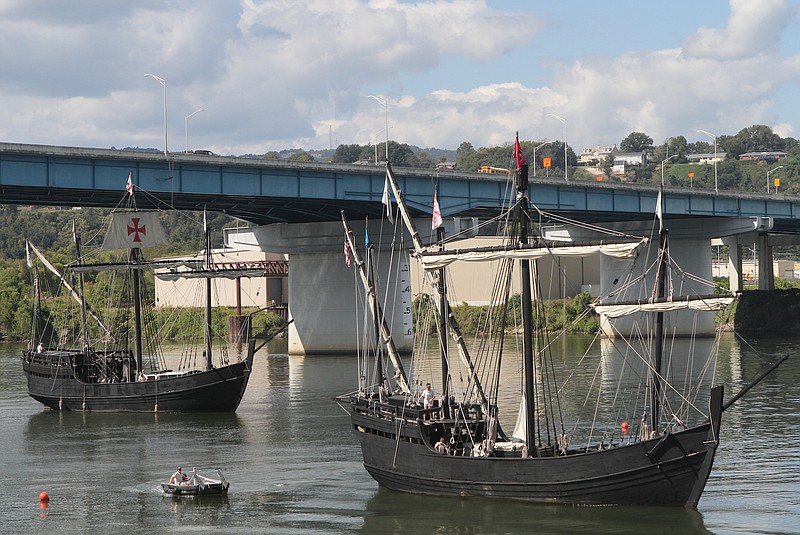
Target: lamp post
164,83
770,172
565,143
534,154
716,189
385,120
663,163
186,126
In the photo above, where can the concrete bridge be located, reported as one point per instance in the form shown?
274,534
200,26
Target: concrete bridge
295,208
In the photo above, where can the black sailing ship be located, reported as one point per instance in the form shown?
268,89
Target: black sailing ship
458,447
88,363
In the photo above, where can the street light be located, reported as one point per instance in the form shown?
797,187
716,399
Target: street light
385,120
534,154
716,190
186,126
164,83
565,142
768,173
663,162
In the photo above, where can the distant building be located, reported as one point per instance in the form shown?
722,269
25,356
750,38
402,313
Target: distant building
445,166
623,161
705,158
767,157
596,154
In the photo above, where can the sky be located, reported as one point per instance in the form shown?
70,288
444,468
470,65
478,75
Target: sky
297,74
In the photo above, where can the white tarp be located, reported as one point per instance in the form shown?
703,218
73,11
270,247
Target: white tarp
617,250
702,305
129,230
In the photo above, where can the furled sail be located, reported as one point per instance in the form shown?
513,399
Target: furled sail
434,260
130,230
700,304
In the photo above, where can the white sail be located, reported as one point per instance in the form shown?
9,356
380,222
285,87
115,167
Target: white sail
129,230
432,261
701,305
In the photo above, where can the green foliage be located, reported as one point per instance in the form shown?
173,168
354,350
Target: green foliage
636,142
569,315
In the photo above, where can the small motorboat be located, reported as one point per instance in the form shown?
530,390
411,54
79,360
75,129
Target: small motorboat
194,484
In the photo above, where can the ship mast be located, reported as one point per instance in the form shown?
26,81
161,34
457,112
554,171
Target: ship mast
207,330
527,314
658,335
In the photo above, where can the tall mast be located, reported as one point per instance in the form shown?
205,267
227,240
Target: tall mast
81,290
444,307
658,335
527,315
135,257
207,330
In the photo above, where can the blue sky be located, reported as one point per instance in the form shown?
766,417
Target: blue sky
275,74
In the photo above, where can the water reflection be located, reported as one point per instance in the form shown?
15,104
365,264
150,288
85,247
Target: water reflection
396,513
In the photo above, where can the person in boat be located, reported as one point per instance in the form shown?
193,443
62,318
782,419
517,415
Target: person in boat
40,348
141,377
426,398
178,478
441,446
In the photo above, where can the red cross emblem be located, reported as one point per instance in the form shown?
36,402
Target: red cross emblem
136,230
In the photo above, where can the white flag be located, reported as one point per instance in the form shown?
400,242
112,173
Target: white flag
28,254
129,186
659,213
129,230
437,214
387,200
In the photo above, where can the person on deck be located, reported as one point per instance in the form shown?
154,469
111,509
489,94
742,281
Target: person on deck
441,446
426,398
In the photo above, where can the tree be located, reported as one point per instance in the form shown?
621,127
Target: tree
301,156
636,142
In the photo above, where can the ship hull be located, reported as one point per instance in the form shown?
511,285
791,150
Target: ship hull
668,470
52,382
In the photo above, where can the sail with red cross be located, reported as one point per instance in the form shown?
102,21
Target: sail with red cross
130,230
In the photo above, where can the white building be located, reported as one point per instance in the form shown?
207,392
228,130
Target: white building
596,154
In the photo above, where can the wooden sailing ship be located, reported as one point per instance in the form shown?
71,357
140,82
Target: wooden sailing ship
119,364
460,447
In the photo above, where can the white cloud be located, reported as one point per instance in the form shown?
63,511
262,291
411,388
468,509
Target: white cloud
275,74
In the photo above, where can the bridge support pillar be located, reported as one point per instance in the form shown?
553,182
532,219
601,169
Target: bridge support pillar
766,274
734,263
327,310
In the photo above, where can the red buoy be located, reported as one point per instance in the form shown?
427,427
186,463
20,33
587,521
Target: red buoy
44,497
624,428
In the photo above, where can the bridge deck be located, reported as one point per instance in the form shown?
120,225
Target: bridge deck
267,191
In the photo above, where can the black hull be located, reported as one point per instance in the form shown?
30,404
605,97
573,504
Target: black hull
217,390
213,489
669,470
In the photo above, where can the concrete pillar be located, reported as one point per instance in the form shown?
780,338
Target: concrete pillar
326,299
766,275
734,263
692,255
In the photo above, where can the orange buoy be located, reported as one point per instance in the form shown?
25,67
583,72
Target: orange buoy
44,497
624,428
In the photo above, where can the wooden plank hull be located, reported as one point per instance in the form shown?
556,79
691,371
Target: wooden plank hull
217,390
668,470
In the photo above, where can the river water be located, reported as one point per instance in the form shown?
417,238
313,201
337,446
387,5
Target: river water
294,468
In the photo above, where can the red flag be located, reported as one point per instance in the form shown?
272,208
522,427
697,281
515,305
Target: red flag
518,153
129,186
437,213
346,254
